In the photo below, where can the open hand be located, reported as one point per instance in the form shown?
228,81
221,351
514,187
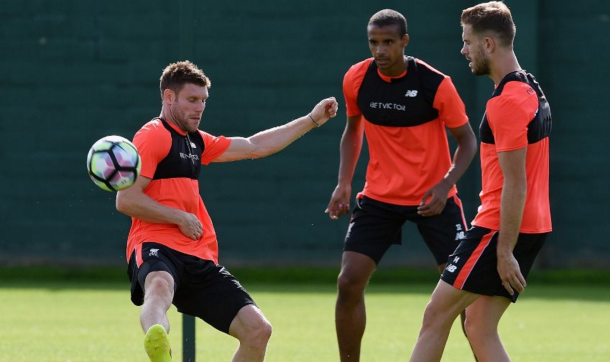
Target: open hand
510,274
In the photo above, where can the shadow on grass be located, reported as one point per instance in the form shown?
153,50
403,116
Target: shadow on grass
587,285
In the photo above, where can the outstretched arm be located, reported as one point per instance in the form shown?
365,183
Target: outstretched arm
275,139
133,202
351,145
434,200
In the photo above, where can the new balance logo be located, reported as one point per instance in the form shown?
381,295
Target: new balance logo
411,93
153,252
451,268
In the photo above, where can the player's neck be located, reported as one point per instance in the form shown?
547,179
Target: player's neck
503,65
167,116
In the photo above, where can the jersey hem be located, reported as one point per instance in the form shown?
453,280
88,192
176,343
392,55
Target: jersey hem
450,195
521,231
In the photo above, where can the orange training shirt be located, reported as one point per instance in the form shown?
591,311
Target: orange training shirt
510,117
172,161
405,161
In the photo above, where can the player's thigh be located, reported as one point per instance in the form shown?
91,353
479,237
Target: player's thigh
157,260
373,228
214,295
442,232
446,303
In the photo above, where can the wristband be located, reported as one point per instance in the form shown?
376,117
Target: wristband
313,120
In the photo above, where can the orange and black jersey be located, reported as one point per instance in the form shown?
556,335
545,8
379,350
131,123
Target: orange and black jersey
172,159
405,119
517,116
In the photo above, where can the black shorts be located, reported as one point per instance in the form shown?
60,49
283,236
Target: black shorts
473,265
201,288
376,225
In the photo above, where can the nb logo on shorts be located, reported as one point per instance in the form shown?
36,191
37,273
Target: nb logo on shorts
153,252
451,268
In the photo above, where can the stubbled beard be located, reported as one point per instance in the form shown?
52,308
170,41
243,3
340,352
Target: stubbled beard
482,66
178,117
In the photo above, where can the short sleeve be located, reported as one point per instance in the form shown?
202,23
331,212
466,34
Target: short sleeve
510,114
214,147
351,85
447,101
153,142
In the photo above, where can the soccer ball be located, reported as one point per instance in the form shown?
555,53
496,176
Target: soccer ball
113,163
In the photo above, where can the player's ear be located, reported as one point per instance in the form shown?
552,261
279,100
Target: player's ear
405,40
489,44
168,96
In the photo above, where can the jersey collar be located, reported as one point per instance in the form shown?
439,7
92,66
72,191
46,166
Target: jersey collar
388,79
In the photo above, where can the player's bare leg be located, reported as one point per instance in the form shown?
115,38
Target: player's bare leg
350,311
158,296
253,331
444,307
482,328
462,318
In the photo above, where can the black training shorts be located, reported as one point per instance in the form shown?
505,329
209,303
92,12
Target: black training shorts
202,288
473,265
376,225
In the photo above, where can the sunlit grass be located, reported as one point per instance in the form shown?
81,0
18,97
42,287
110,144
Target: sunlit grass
73,322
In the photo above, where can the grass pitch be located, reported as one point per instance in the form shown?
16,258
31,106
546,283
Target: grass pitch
94,321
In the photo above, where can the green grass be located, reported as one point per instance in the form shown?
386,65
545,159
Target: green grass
62,315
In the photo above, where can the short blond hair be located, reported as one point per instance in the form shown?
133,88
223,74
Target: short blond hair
493,16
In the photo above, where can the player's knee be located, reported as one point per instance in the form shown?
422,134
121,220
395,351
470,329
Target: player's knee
478,330
258,334
348,285
158,287
470,328
435,318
